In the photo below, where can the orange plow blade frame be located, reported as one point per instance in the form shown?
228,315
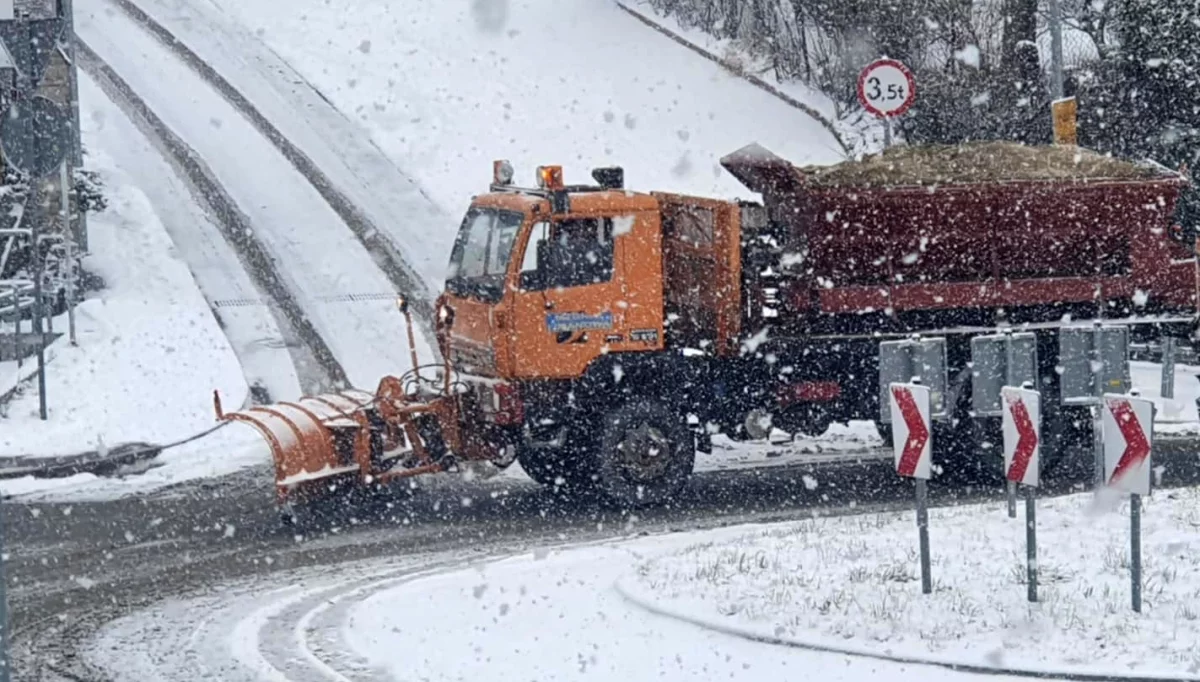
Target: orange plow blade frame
302,435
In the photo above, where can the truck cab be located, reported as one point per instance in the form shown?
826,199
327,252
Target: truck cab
563,302
543,280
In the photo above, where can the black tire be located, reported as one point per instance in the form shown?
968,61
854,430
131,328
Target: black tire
1066,442
554,467
646,455
809,420
984,465
970,450
885,433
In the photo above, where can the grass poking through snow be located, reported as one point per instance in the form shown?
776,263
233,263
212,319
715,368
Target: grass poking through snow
858,579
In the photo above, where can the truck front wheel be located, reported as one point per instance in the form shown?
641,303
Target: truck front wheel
554,467
646,454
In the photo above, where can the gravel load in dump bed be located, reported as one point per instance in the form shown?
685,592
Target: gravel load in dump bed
976,162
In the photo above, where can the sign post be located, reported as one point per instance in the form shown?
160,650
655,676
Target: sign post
998,360
912,443
1168,367
1128,424
69,240
886,89
1094,361
39,305
1022,425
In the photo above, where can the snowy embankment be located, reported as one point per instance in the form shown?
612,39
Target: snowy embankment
346,297
149,355
149,351
853,584
858,130
446,88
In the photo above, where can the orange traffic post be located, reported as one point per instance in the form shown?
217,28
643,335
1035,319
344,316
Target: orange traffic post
1064,112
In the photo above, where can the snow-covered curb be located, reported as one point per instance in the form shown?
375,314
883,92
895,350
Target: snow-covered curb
221,450
12,376
848,585
149,350
645,600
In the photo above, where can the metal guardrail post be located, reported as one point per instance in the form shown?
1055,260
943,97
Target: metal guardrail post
1168,367
4,629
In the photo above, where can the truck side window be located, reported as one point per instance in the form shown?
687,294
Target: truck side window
576,252
538,235
582,252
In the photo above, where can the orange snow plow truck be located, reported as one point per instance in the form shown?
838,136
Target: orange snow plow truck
601,336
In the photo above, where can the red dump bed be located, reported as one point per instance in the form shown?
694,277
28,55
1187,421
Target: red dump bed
1019,243
977,244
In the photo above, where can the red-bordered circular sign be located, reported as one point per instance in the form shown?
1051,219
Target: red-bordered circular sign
886,88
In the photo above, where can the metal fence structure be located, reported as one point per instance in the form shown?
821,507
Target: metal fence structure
18,261
16,291
37,78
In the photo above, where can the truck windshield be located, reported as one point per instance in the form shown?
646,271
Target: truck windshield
481,252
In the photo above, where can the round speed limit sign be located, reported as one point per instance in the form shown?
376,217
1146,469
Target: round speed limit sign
886,88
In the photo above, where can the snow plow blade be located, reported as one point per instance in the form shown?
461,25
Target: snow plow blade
332,441
315,437
353,435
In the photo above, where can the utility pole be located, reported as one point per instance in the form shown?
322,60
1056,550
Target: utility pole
1063,109
69,241
1056,50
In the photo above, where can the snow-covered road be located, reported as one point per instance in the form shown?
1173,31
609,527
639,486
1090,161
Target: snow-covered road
347,297
550,614
336,143
244,317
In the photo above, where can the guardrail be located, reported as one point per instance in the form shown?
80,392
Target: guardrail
16,298
1152,352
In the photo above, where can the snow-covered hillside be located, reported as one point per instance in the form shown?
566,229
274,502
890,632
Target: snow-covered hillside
445,88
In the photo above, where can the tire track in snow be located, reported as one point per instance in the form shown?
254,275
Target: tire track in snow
389,259
71,589
315,363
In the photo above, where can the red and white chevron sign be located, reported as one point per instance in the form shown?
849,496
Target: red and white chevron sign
911,438
1022,425
1128,427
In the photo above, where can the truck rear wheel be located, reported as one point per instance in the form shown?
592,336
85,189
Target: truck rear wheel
885,433
646,454
809,420
969,448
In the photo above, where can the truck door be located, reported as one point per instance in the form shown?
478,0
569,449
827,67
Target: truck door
566,303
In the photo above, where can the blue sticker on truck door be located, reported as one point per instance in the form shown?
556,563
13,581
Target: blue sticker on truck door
572,322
